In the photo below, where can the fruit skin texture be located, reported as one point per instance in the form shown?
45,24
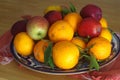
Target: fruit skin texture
65,54
106,34
39,49
19,26
79,42
23,44
103,22
53,16
60,30
101,48
37,27
89,27
91,10
73,19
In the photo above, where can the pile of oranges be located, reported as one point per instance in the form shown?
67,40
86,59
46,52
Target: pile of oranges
67,45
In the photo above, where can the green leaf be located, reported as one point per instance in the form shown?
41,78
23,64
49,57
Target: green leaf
93,63
72,8
89,57
65,11
48,56
80,48
110,30
50,62
86,56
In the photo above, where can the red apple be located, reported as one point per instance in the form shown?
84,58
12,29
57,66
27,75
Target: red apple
53,16
37,27
91,10
19,26
89,27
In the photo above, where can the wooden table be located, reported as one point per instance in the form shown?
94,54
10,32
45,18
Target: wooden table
12,10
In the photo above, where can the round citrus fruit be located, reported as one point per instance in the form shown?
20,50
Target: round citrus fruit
73,19
100,48
60,30
39,49
52,7
103,23
79,42
106,34
65,54
23,44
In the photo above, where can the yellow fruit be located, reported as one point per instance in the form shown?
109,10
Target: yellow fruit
23,44
65,55
78,41
73,19
106,34
60,30
52,7
101,48
39,49
103,22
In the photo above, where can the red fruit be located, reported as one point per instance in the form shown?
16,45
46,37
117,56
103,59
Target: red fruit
37,27
89,27
19,26
53,16
91,10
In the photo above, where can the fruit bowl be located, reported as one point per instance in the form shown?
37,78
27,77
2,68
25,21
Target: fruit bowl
31,63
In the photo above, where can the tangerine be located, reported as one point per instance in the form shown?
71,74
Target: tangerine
39,49
100,48
73,19
65,54
23,44
60,30
78,41
103,22
106,34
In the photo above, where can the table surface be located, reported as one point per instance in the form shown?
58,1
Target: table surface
12,10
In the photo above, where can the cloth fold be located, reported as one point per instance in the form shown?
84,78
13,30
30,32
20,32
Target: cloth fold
5,53
110,72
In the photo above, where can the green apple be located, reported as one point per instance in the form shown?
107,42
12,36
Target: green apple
37,27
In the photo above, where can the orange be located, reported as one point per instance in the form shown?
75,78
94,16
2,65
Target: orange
79,42
103,23
52,7
23,44
73,19
60,30
65,54
39,50
106,34
100,48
